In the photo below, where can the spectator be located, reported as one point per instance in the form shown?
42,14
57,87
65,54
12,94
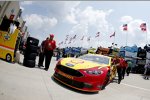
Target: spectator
129,67
58,54
124,67
147,70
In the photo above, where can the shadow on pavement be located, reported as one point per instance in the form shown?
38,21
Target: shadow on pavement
114,81
72,89
36,66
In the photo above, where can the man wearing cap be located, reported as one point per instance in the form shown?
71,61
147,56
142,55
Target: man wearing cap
50,45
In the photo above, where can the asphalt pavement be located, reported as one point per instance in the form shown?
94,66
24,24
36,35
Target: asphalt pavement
22,83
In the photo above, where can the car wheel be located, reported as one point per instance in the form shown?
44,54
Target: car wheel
106,81
8,58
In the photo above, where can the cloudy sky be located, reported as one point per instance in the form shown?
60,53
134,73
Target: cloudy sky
86,18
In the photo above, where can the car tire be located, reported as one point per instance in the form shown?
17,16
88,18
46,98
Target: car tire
8,58
29,63
31,48
106,81
32,41
30,56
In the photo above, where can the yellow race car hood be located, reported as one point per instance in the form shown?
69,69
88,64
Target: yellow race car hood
76,63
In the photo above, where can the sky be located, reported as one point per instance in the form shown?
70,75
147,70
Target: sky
87,18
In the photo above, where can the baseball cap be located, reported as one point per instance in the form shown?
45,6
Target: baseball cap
51,35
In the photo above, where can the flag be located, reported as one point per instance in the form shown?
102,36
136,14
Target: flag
97,34
82,38
125,27
112,35
88,38
143,27
60,43
74,37
70,40
67,37
65,42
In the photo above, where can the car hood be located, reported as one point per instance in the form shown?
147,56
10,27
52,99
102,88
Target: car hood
76,63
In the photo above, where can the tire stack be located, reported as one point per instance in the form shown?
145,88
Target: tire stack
31,52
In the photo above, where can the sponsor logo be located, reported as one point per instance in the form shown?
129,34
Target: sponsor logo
65,75
6,37
70,65
77,61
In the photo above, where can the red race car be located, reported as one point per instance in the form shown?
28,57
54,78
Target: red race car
90,72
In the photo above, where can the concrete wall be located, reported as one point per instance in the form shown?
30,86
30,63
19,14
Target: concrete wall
2,3
15,7
20,20
8,8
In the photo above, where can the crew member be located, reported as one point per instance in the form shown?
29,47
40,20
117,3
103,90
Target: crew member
124,67
116,62
41,55
129,67
50,45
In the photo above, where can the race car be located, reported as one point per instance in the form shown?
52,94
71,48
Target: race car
90,72
92,51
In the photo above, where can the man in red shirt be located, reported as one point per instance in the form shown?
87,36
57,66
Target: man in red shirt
50,45
124,66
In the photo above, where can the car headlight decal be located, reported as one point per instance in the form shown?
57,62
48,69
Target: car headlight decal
94,72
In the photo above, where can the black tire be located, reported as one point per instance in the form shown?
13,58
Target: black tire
29,63
32,49
30,56
106,81
32,41
8,58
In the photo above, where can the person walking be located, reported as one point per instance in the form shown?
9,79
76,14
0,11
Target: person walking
58,54
124,67
129,67
41,55
147,71
116,62
119,69
50,45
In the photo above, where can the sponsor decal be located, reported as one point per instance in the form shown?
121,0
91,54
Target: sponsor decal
6,37
70,65
77,61
65,75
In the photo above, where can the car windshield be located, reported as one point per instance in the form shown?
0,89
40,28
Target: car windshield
97,59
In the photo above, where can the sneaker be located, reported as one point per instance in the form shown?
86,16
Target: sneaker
39,66
119,82
42,66
45,69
